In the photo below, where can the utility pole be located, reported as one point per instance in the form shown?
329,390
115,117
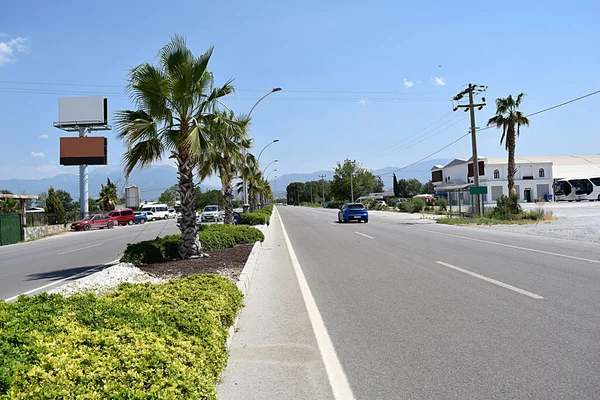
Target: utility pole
353,164
311,198
323,180
471,107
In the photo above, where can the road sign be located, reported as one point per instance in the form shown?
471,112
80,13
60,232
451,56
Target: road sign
478,189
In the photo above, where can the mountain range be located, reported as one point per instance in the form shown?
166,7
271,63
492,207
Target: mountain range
154,180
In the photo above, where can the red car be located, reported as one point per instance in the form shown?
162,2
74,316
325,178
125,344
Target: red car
124,216
94,221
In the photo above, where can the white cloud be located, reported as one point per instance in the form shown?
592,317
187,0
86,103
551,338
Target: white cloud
408,84
362,102
37,154
439,81
43,136
11,45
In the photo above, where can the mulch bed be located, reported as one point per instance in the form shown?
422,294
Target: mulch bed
227,262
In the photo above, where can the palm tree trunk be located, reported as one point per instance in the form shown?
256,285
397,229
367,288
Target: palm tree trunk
512,169
228,198
190,243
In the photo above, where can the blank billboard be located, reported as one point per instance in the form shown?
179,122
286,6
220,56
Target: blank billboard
82,111
83,150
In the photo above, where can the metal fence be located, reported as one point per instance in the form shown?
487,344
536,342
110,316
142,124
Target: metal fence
10,228
41,219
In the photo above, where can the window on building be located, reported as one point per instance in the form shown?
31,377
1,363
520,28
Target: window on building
496,174
542,172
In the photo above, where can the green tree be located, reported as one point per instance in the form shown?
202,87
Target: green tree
226,155
54,208
396,188
409,187
4,191
169,196
8,205
174,101
363,181
93,205
295,192
509,118
428,188
210,197
66,200
108,196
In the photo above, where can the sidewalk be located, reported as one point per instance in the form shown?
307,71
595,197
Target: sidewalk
274,353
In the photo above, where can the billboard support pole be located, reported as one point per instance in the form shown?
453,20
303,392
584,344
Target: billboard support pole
83,182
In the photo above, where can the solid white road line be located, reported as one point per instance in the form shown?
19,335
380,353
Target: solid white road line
362,234
59,281
335,373
490,280
513,247
81,248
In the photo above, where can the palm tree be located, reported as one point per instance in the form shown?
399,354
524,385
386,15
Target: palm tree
508,117
247,172
8,205
174,101
229,143
108,196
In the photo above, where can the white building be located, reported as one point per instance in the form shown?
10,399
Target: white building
533,180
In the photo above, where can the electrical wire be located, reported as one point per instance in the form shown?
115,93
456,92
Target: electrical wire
489,127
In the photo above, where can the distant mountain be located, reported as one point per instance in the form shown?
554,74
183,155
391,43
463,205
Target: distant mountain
152,181
420,171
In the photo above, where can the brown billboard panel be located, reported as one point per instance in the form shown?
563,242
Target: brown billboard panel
83,150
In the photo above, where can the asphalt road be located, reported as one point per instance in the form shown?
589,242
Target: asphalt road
41,264
417,310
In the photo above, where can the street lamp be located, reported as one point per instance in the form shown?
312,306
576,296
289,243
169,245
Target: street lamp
277,89
259,154
267,178
265,169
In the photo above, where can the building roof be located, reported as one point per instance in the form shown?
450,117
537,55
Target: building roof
456,161
17,196
436,167
593,160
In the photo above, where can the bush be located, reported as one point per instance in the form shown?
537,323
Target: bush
506,207
442,203
141,341
417,205
313,205
336,203
212,237
255,218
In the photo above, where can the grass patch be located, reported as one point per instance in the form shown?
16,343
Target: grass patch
524,218
141,341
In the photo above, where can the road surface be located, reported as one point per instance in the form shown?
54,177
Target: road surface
40,264
417,310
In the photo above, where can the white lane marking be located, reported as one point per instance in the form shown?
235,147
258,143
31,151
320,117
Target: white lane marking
332,223
81,248
335,372
59,281
362,234
513,247
490,280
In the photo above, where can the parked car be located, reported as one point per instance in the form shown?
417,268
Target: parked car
171,213
211,214
123,217
236,218
353,211
95,221
150,215
140,217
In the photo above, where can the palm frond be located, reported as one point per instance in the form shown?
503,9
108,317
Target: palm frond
149,90
142,154
519,99
174,54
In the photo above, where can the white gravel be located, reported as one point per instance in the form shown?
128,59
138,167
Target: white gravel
575,221
107,280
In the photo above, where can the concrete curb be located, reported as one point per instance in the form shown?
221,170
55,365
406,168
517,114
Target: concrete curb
243,284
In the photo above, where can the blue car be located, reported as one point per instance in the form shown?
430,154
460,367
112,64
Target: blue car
353,211
140,217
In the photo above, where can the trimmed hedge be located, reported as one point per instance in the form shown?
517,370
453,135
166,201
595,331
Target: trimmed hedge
258,217
141,341
212,237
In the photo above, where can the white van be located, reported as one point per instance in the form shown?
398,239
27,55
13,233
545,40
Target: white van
160,211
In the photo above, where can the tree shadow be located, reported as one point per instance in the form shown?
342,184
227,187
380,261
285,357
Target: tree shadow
69,273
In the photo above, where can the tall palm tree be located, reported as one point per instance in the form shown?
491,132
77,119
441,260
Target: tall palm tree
8,205
229,143
247,172
174,101
509,118
108,196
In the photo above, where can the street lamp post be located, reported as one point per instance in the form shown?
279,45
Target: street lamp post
260,154
265,169
267,178
245,205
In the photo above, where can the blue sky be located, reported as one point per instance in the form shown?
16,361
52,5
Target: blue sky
358,77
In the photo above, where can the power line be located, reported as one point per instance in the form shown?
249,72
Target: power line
489,127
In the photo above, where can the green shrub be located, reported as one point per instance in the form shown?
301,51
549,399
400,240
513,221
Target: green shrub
507,207
336,203
149,251
141,341
254,218
442,203
312,205
170,245
417,205
241,234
